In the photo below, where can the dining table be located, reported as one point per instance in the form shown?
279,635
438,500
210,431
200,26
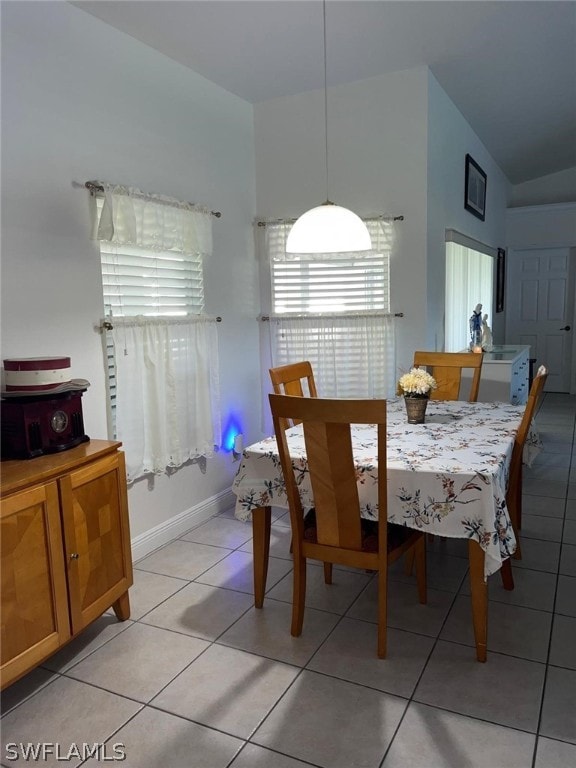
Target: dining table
447,477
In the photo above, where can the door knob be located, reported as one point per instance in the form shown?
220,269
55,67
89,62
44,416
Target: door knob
566,328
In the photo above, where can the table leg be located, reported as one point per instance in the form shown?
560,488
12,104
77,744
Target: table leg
479,589
506,574
261,519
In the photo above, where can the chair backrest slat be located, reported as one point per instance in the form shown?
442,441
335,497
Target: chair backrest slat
333,476
333,479
289,380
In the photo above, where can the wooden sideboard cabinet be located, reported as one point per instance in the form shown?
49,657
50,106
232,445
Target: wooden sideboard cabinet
65,550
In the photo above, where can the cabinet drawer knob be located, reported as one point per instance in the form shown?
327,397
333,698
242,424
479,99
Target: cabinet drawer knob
74,556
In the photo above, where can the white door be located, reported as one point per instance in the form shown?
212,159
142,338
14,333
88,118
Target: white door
540,307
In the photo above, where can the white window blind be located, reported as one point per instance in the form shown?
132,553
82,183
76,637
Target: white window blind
136,281
341,283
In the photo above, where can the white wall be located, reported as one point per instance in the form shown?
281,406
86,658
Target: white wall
80,101
555,188
450,138
541,226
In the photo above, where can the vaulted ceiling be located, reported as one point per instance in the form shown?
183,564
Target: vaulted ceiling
508,65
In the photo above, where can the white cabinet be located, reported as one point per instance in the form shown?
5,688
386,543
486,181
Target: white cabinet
505,375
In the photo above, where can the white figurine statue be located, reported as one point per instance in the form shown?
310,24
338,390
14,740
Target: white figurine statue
476,328
486,335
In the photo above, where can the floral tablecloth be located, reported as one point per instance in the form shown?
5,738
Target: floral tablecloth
447,476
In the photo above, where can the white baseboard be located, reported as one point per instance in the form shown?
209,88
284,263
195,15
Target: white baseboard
166,532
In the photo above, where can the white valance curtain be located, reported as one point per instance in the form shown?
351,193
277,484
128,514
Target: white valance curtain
167,390
129,216
166,367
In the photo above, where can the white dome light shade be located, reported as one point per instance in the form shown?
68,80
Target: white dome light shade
328,228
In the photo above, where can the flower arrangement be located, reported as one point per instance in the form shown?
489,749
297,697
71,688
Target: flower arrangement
416,383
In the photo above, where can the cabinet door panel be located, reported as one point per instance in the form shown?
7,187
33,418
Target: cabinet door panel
96,537
34,595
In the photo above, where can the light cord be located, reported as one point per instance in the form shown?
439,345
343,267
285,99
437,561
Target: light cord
325,98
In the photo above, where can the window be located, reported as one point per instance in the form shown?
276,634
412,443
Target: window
140,281
469,281
160,349
334,310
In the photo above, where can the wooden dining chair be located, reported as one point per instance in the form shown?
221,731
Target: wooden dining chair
339,535
294,379
514,492
446,367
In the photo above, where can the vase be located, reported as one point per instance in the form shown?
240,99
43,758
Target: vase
416,408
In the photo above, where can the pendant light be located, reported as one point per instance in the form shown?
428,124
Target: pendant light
328,228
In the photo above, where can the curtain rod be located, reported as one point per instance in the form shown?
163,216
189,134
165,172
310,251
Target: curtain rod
379,217
266,318
94,188
126,320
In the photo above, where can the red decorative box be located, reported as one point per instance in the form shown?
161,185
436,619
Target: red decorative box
35,425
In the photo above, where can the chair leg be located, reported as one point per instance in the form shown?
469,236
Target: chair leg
411,554
382,609
409,562
506,574
327,573
419,550
519,499
298,596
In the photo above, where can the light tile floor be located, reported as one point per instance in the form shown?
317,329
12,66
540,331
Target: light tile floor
200,679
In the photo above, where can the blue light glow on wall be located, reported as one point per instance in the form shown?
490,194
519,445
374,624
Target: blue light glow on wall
232,428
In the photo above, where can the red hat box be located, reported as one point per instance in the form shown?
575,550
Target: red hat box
39,375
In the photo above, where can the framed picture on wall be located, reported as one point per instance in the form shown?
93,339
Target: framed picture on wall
475,188
500,279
